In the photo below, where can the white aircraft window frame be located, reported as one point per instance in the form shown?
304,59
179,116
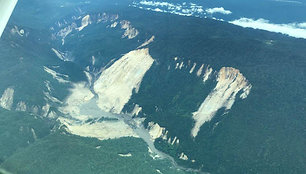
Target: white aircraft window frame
6,10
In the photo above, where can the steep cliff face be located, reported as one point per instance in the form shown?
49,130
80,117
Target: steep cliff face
21,106
7,99
137,109
85,22
156,131
116,84
229,82
130,32
61,78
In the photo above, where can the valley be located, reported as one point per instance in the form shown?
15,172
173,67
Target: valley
148,87
136,125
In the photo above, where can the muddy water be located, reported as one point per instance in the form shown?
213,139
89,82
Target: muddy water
91,108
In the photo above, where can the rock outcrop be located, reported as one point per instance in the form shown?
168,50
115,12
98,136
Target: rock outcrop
7,99
21,106
156,131
183,157
85,22
137,109
59,77
130,32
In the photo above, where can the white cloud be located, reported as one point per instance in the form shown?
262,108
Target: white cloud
297,30
183,9
158,10
302,25
218,10
288,1
156,3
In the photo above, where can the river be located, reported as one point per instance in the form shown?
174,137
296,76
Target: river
91,108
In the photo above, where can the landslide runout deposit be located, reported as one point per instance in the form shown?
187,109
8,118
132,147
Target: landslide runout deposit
101,130
114,88
82,106
229,82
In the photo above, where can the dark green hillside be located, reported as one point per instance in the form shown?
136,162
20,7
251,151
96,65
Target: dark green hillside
64,154
256,135
16,131
52,150
264,133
